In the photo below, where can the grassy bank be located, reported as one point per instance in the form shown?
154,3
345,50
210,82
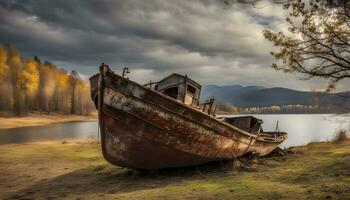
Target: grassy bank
76,170
41,120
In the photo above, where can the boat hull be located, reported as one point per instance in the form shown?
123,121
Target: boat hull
144,129
132,142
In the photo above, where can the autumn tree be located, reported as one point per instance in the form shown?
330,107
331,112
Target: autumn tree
74,80
317,43
62,91
83,102
6,100
47,86
29,82
29,85
226,108
14,62
253,2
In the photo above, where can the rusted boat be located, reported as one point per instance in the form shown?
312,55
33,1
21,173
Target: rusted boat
163,125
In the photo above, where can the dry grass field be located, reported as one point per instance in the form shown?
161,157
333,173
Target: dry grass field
77,170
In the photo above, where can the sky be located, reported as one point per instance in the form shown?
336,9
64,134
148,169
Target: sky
211,42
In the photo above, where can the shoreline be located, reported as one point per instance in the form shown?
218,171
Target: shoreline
33,120
73,169
335,114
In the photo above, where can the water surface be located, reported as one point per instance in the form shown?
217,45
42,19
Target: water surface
60,131
305,128
301,129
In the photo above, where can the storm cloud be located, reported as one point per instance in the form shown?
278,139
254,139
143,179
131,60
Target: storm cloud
211,42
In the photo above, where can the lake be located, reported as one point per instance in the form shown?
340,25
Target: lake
301,129
305,128
60,131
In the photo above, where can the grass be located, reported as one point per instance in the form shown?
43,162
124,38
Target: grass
41,120
77,170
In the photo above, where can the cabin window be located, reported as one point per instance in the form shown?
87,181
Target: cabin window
191,89
171,92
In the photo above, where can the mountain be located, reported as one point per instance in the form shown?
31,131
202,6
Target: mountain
257,96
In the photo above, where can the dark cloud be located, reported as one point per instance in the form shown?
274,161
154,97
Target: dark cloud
211,42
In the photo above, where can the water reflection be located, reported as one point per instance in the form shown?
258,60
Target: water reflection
73,130
301,129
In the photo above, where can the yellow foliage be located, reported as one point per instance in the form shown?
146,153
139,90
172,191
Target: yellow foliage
3,59
3,54
30,75
13,59
3,71
275,108
32,85
62,81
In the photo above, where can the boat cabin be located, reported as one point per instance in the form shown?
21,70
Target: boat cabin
180,88
249,124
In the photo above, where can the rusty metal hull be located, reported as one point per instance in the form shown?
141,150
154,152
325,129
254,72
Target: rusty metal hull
144,129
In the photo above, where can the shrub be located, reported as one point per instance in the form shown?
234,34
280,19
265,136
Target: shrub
340,136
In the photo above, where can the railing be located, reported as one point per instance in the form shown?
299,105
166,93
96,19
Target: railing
150,84
210,103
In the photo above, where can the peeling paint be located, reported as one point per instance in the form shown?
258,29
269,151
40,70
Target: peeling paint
145,129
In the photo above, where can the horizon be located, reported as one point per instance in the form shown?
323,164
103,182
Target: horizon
263,87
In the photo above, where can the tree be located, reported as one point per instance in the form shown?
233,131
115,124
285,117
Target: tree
29,81
14,62
29,85
62,91
74,79
317,43
6,99
329,3
253,2
226,108
3,59
47,85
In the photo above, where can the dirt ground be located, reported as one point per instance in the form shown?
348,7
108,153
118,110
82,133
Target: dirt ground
77,170
41,120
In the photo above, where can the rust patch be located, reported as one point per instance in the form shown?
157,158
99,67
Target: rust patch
142,128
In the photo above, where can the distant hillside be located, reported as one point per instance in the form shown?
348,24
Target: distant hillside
256,96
